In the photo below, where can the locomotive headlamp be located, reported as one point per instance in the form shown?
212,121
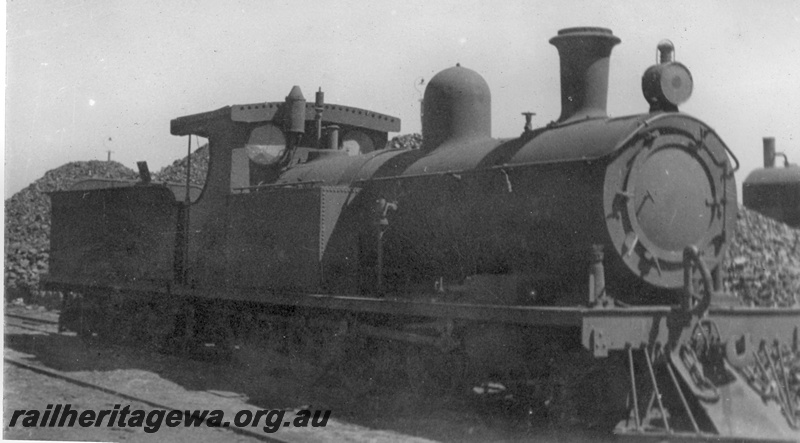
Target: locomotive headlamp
668,83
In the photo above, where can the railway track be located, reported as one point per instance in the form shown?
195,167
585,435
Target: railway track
230,403
78,382
32,324
24,322
35,320
461,424
49,326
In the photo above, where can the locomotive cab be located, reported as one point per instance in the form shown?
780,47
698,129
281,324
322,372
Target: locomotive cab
253,227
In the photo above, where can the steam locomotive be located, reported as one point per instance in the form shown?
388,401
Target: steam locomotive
483,258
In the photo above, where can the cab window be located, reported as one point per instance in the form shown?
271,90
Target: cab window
253,164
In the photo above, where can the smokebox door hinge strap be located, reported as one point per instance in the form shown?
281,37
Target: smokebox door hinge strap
508,180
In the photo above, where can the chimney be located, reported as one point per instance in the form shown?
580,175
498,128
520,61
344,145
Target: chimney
769,152
584,54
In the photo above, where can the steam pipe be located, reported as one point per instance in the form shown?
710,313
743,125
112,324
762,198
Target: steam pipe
319,106
333,137
770,154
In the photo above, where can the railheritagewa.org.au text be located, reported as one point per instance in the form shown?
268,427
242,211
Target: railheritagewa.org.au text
63,415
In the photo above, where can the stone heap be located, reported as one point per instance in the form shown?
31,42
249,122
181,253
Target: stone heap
763,261
176,172
407,141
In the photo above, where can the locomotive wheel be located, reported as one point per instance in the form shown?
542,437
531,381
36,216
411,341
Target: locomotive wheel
159,323
200,330
183,329
269,335
299,340
317,340
216,336
119,318
86,326
75,317
90,322
430,372
356,368
329,343
585,390
70,317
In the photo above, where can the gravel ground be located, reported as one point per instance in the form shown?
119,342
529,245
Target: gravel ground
27,390
255,379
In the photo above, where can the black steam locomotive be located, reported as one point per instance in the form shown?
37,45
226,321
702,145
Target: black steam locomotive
482,257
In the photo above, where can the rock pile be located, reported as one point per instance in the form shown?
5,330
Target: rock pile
407,141
176,172
763,261
27,227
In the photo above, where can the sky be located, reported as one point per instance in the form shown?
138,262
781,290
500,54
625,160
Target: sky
84,77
